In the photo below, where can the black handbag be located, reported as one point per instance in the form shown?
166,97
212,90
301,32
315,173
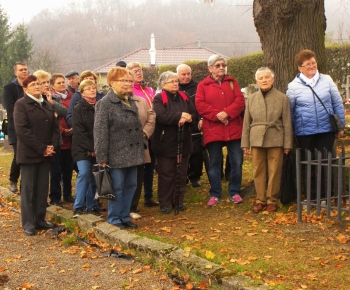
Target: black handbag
334,119
288,190
103,182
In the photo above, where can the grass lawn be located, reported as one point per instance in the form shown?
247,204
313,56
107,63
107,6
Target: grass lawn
272,249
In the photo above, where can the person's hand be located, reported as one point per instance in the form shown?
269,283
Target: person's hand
68,132
49,97
182,121
222,117
286,151
50,151
102,164
187,116
200,124
340,134
246,150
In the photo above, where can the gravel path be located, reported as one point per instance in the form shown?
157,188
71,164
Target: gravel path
42,262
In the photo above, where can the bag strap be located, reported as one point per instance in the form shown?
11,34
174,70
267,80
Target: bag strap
318,98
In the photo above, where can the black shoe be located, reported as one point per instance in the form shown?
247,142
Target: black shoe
78,212
94,211
196,183
100,207
165,209
45,225
119,225
29,232
13,186
180,207
56,203
69,199
150,202
130,224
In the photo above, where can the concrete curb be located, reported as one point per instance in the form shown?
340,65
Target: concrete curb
145,247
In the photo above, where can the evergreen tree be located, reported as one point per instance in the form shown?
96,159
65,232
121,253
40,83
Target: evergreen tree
5,36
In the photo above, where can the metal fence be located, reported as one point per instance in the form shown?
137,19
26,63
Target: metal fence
323,182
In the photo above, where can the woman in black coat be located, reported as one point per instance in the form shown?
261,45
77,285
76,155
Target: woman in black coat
37,137
83,149
175,113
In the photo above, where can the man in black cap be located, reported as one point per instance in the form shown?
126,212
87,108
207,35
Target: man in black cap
73,81
121,63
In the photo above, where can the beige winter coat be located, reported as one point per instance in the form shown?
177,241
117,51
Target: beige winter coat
148,120
267,121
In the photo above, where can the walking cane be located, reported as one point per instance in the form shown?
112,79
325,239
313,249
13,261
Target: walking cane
180,137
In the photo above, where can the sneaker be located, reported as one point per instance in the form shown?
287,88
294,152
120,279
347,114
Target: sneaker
135,215
213,201
236,198
78,212
94,211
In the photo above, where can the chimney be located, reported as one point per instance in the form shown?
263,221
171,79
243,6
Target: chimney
152,50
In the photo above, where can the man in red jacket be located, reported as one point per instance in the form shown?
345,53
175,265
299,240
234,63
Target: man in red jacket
220,102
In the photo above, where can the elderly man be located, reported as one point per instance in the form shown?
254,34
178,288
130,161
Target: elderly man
13,92
73,81
220,102
267,134
195,164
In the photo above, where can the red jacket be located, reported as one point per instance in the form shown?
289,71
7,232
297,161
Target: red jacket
66,140
212,98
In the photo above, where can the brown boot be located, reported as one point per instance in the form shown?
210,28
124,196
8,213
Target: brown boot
150,202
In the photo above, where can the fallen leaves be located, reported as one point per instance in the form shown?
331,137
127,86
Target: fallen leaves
342,239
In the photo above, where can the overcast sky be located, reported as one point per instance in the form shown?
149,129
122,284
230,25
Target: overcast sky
20,11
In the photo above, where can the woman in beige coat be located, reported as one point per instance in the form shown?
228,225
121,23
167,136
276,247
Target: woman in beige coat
148,119
267,134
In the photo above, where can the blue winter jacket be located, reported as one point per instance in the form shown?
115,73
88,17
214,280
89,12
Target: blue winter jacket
308,115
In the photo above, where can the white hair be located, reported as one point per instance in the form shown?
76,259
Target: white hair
264,69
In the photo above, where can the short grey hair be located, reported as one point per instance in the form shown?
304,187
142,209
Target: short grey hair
165,76
133,64
183,65
264,69
214,58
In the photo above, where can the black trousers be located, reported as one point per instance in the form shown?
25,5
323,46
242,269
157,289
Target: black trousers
324,143
167,171
137,194
34,188
15,170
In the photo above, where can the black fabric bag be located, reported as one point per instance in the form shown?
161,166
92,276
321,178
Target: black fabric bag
288,190
336,123
4,127
103,182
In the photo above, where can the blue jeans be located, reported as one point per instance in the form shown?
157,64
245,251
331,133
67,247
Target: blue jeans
124,185
85,186
235,153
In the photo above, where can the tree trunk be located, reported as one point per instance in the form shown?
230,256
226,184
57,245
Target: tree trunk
285,27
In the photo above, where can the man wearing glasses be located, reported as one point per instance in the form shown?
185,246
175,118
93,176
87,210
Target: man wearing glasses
13,92
220,102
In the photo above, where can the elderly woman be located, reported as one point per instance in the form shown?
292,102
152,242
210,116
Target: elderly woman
148,119
147,93
62,168
38,136
310,119
83,149
220,102
267,134
76,97
119,143
174,112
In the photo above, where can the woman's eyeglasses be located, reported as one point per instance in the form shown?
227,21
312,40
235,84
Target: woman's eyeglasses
220,64
172,82
129,82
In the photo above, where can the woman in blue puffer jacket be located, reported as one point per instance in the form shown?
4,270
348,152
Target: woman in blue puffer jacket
310,119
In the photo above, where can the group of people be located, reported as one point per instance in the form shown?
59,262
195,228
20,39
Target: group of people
55,127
